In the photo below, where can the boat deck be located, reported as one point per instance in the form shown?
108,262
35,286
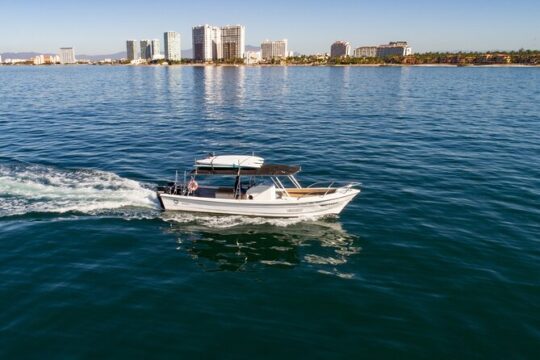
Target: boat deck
228,192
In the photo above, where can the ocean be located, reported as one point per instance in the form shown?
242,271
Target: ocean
439,256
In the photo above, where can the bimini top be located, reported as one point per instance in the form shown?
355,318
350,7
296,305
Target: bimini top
230,162
264,170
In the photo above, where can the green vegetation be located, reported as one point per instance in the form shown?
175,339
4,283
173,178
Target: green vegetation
525,57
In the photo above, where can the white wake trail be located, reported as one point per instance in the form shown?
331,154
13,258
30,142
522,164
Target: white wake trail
42,189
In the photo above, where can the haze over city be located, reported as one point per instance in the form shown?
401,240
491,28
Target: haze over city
100,27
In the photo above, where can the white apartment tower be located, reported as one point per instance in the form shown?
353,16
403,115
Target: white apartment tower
233,41
274,49
173,51
155,49
206,43
67,55
133,50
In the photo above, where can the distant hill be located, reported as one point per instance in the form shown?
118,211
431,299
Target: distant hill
21,55
186,54
28,55
115,56
252,48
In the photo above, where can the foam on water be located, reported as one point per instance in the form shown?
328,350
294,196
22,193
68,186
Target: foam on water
230,221
43,189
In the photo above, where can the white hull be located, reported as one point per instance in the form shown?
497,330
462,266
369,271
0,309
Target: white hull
287,207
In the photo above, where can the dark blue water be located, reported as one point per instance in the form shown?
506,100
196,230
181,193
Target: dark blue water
438,258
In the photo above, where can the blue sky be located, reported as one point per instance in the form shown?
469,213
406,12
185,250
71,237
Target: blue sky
101,27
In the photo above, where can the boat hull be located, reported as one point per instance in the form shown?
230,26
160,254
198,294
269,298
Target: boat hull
309,206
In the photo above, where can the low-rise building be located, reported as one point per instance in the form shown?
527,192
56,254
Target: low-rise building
252,57
15,61
38,60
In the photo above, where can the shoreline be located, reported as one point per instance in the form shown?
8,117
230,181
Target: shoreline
286,65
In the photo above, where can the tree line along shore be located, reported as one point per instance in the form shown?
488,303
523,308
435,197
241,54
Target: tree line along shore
521,57
501,58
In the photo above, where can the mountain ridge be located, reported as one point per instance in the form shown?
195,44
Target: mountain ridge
186,54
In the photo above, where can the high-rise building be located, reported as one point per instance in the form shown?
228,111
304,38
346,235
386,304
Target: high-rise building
173,51
233,41
67,55
206,43
146,49
133,50
366,52
155,49
399,48
274,49
340,49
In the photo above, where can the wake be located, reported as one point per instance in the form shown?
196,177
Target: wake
42,189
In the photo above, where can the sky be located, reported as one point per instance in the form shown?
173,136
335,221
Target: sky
95,27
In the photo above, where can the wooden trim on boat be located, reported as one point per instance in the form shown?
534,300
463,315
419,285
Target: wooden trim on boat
294,192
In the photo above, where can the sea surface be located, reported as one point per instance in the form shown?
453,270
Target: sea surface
439,257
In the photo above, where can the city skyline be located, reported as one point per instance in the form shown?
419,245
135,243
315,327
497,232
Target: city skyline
100,27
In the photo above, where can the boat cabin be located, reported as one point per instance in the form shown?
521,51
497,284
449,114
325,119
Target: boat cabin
263,182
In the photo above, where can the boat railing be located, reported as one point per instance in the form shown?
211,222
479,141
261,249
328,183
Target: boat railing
345,184
321,182
351,185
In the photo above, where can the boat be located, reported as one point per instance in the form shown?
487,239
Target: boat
259,189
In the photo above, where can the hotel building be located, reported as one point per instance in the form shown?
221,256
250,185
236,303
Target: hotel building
233,41
171,40
340,49
366,52
67,55
399,48
274,49
206,43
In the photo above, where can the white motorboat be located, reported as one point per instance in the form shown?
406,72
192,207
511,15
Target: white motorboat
259,190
